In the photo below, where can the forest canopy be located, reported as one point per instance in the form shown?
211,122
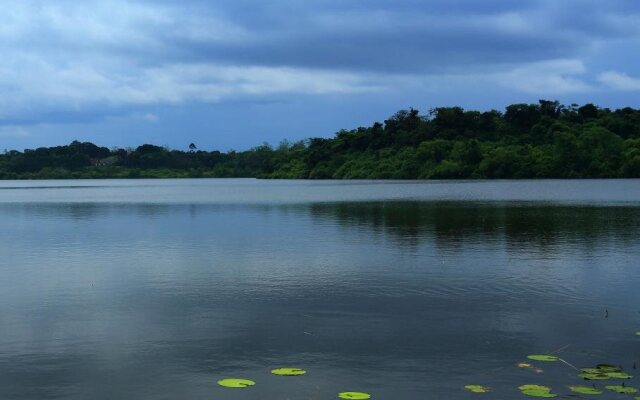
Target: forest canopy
543,140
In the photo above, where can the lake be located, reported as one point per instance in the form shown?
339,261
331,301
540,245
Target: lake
156,289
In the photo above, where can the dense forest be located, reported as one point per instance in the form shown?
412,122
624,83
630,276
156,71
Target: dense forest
544,140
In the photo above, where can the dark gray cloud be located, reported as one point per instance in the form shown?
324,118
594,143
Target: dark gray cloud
409,36
83,61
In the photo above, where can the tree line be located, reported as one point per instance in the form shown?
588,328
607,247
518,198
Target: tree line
543,140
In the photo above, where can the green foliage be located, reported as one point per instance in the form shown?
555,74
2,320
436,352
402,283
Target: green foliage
622,389
585,390
288,371
542,357
477,388
603,372
537,391
235,383
354,395
544,140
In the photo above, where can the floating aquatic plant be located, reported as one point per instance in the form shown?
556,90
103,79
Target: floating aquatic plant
619,375
542,357
585,390
622,389
594,376
608,368
354,395
603,372
477,388
288,371
235,383
591,370
537,391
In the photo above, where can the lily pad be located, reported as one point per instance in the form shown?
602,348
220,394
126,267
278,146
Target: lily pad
594,377
288,371
622,389
524,365
608,368
534,387
477,388
585,390
537,391
542,357
603,372
591,370
236,383
619,375
354,395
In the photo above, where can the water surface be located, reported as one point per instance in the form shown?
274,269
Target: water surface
155,289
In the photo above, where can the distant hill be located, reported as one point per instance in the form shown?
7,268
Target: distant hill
544,140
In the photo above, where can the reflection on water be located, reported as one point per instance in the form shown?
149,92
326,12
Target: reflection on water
451,224
403,299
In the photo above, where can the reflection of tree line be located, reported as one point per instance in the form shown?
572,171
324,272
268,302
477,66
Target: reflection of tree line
448,223
81,211
451,223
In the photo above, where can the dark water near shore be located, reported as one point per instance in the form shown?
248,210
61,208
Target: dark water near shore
406,290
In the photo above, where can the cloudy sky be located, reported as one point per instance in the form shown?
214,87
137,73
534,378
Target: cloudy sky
235,73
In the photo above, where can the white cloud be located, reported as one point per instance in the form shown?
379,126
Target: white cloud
10,131
81,85
546,78
69,55
619,81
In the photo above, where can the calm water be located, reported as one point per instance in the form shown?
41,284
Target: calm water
157,289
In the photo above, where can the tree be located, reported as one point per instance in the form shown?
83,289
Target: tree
522,116
545,139
588,111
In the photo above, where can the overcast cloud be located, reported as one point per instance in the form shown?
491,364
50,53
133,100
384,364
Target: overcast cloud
236,73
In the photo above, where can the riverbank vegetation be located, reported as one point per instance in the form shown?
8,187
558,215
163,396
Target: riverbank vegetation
543,140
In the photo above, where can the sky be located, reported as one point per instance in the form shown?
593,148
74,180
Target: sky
232,74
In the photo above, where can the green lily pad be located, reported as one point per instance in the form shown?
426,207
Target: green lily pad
594,377
619,375
236,383
288,371
585,390
354,395
477,388
608,368
603,372
591,370
534,387
542,357
537,391
622,389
